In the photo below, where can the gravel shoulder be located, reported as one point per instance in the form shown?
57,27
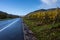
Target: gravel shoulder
28,34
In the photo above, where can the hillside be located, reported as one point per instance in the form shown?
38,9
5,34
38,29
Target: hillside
45,16
4,15
44,23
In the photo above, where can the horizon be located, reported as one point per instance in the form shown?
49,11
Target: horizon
23,7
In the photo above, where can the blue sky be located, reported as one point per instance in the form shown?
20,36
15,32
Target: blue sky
23,7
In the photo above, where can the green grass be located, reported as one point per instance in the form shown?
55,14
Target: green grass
44,32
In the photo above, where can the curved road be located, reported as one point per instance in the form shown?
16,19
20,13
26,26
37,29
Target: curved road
11,29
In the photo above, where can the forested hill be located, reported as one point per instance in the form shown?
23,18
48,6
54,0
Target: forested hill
45,16
4,15
44,10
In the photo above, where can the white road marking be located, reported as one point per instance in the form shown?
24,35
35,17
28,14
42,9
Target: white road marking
8,25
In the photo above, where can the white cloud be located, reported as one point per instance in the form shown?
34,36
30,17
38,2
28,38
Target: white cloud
49,2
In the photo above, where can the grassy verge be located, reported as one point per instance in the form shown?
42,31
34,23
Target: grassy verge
44,32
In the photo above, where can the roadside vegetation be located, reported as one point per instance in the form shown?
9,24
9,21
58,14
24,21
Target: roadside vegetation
45,24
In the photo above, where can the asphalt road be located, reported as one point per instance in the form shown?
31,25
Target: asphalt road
11,29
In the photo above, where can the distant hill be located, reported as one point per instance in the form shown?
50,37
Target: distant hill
42,10
4,15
